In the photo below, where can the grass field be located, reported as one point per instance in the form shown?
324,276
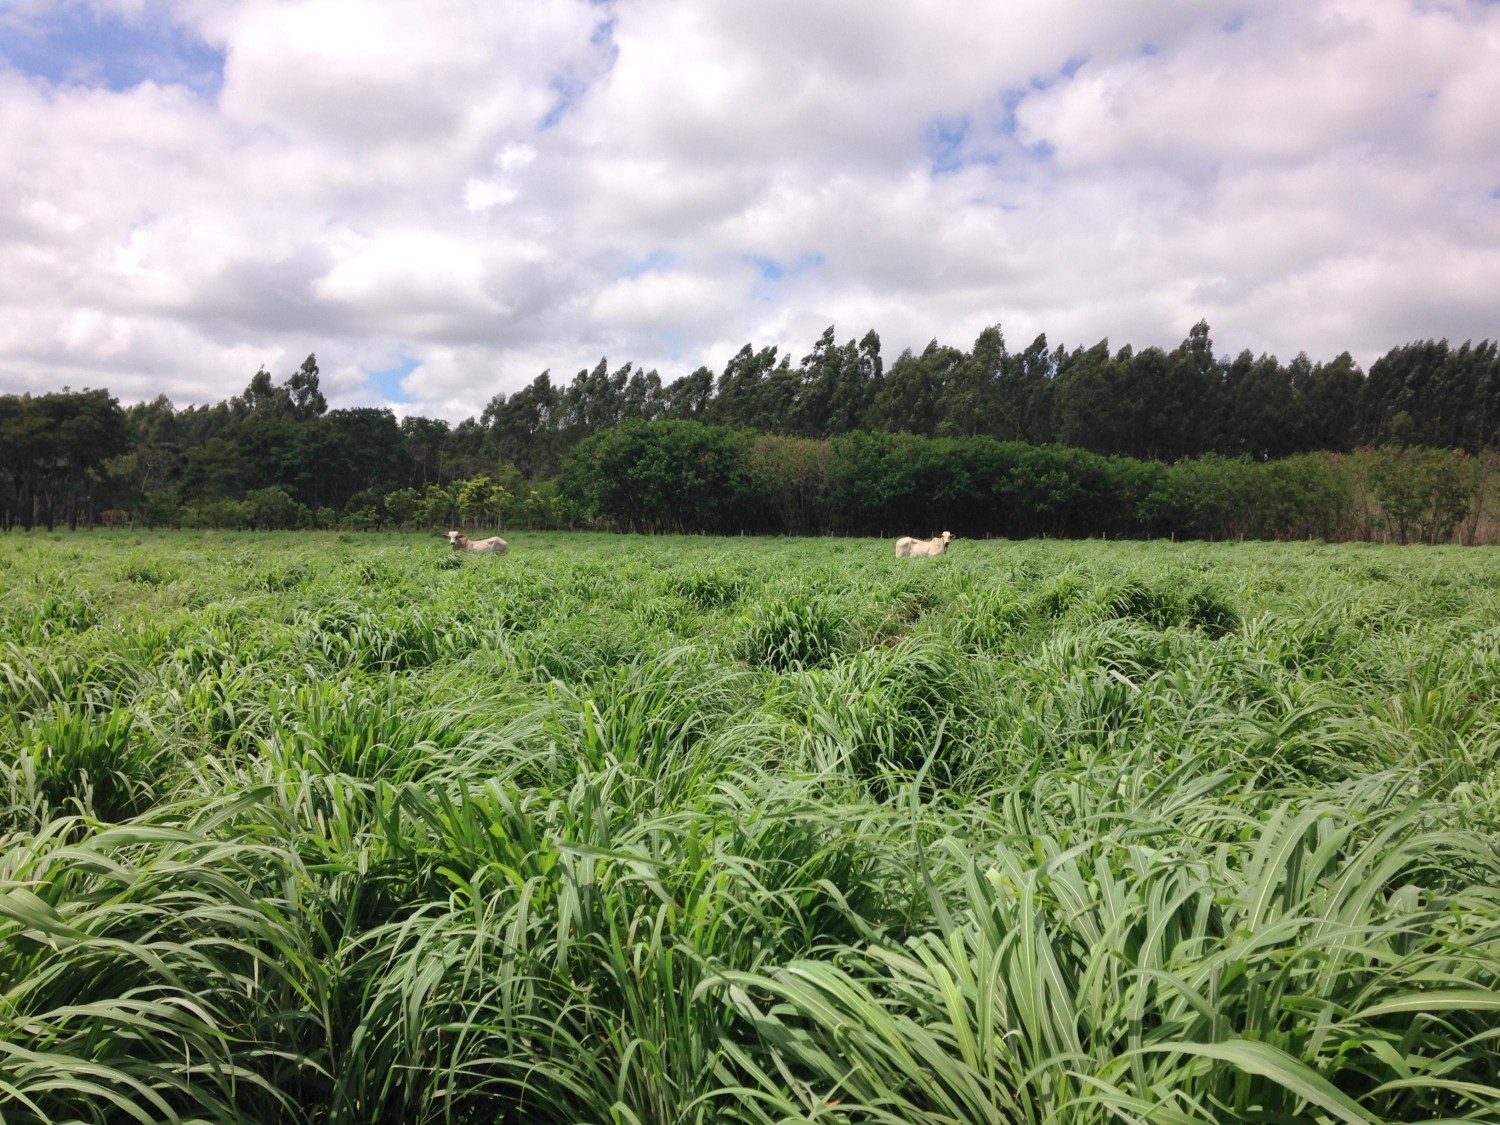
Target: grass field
347,829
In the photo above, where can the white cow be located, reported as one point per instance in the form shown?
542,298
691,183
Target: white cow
909,548
492,546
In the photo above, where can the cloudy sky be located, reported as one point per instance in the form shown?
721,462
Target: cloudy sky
442,198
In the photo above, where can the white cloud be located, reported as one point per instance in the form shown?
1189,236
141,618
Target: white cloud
492,189
665,301
481,194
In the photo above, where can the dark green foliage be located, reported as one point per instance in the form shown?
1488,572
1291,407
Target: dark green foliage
273,509
1424,493
1152,604
53,452
1210,611
1171,604
662,477
1430,393
684,477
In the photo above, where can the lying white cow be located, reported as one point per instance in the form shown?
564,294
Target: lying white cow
492,546
909,548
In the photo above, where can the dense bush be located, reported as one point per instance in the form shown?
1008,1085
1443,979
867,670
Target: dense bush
273,509
682,476
664,476
1424,493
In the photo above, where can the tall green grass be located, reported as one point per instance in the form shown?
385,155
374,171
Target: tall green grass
315,828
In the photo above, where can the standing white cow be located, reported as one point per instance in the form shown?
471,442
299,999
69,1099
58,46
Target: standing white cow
909,548
491,546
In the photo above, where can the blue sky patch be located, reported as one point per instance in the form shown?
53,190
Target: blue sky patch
772,270
954,143
388,382
944,140
1005,123
75,45
1073,66
656,260
568,91
1010,101
569,88
674,343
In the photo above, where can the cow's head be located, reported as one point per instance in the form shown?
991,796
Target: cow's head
946,537
456,539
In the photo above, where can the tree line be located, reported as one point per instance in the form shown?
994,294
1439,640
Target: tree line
671,476
276,455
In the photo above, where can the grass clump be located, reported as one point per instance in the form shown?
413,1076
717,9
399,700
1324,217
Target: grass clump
797,631
707,588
